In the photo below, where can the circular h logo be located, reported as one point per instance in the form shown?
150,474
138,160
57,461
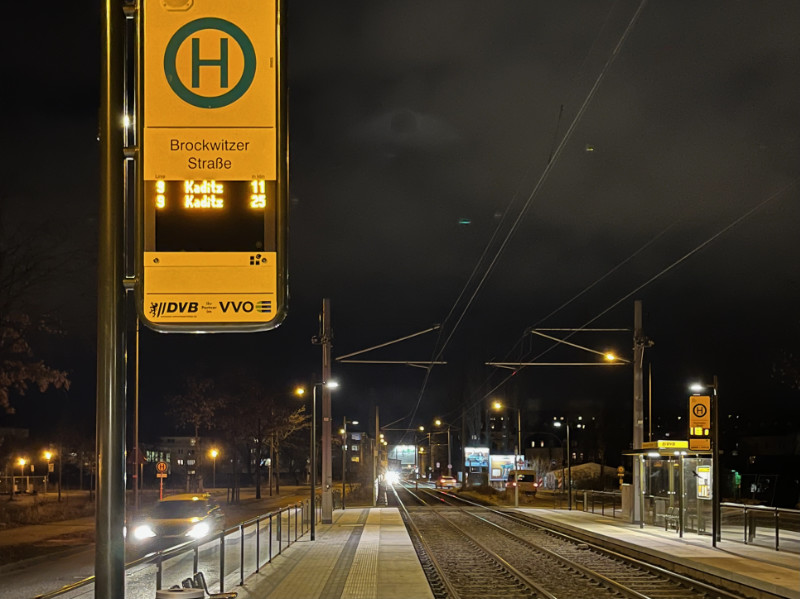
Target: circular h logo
218,59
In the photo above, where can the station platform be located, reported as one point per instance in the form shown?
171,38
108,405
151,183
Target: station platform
365,553
756,572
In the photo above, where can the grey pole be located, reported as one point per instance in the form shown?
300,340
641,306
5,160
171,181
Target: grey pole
327,482
136,460
569,469
344,455
715,469
449,457
110,507
314,462
638,402
375,454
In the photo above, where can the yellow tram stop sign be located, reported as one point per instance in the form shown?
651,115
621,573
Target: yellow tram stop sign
213,176
700,423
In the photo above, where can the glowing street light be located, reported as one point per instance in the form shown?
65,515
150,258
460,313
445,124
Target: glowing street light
214,453
48,455
557,424
300,392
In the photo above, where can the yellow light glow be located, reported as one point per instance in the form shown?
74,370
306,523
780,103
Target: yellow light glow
437,422
203,195
610,356
48,455
258,199
22,461
497,405
300,391
214,453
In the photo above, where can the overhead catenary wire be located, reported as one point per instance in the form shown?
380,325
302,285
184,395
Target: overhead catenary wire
524,209
748,213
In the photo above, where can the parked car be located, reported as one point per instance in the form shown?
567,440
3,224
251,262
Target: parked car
177,519
446,482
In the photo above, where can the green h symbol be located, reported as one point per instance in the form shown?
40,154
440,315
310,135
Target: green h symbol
221,62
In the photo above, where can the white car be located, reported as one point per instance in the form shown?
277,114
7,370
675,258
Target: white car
446,482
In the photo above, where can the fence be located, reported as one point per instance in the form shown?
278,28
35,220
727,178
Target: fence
761,525
602,501
242,549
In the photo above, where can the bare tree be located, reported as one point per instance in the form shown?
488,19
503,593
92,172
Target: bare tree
196,408
270,421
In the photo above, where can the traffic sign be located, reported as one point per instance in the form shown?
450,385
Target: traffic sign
161,467
161,475
700,444
212,197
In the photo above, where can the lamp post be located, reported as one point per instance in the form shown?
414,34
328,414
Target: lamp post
439,422
214,453
48,455
343,432
558,424
21,462
716,535
300,392
497,405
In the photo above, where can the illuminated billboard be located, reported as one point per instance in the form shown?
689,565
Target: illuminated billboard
405,453
476,457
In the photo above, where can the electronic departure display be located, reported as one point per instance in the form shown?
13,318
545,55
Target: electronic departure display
206,215
212,197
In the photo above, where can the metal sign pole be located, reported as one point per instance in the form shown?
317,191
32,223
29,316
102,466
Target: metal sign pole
110,511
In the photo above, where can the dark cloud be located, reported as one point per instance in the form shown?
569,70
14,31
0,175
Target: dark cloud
409,116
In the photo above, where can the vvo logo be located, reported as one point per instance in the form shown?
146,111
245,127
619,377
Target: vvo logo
209,63
158,309
263,306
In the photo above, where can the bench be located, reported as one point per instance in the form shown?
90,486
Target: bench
672,518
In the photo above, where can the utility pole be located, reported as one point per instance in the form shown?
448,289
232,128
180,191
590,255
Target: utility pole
326,337
640,342
375,454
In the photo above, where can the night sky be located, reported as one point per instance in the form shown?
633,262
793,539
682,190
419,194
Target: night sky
458,163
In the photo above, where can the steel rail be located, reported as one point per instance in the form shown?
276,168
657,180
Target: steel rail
450,590
514,572
700,586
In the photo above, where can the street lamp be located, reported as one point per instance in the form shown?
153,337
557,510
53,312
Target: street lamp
300,391
438,422
214,453
343,432
715,481
557,424
48,455
517,450
21,462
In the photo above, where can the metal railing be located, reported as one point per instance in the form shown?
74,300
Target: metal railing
257,540
607,500
762,525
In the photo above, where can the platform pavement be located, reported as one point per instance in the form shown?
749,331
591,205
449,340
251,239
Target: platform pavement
771,573
365,553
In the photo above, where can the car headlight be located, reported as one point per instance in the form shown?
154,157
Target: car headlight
143,531
199,530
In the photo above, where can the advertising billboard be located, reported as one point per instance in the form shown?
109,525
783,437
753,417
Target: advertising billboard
476,457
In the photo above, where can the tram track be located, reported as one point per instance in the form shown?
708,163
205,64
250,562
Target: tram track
458,534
